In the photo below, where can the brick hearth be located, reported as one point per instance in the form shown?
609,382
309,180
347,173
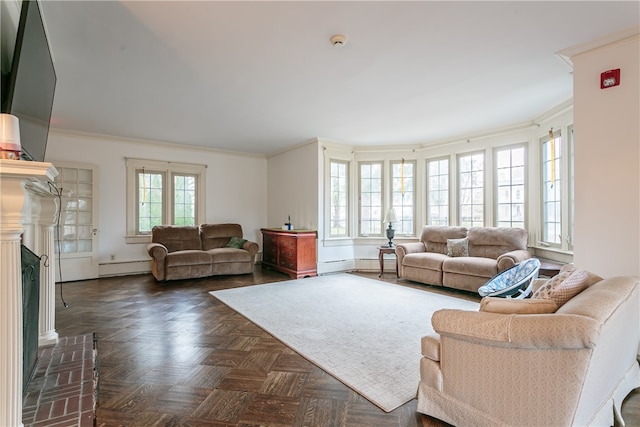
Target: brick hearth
63,391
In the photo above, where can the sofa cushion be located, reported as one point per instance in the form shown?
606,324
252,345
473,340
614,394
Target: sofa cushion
229,255
471,266
517,306
189,257
435,237
236,242
564,286
428,260
592,278
177,238
491,242
218,235
458,247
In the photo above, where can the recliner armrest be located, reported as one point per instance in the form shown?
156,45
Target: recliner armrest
157,251
510,259
407,248
252,248
531,331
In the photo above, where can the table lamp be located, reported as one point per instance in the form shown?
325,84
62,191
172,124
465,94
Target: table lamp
390,216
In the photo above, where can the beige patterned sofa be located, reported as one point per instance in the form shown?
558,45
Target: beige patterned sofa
571,367
490,250
188,252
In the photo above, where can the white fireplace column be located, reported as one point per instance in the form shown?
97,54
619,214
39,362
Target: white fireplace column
43,215
14,176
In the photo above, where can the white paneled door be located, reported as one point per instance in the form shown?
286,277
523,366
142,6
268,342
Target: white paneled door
76,232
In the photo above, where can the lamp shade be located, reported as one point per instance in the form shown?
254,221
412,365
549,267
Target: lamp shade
390,216
9,133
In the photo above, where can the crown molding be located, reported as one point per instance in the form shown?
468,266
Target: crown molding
175,145
619,36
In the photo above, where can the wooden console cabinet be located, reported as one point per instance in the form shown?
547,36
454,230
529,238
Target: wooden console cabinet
290,251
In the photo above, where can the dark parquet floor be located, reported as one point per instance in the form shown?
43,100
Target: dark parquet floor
173,355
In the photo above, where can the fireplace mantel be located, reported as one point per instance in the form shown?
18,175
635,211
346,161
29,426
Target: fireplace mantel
27,214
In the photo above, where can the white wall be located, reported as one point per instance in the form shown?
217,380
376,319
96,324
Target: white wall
236,185
292,187
607,160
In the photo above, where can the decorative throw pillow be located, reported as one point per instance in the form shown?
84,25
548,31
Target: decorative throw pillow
517,306
593,278
458,247
563,287
236,242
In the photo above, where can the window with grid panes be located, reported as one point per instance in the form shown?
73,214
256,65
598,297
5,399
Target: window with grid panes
438,192
510,189
339,198
403,181
551,189
371,209
471,190
163,193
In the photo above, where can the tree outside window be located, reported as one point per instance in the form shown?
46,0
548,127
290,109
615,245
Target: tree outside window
184,201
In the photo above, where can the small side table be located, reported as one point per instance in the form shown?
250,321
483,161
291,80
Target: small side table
549,268
386,250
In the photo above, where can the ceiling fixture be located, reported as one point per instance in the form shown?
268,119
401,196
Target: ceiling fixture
338,40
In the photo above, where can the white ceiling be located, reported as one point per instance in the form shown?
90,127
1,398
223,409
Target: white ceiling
261,76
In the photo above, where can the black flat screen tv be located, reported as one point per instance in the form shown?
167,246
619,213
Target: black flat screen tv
31,83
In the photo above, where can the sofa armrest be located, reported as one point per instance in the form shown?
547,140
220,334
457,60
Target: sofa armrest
411,247
531,331
510,259
252,248
158,253
407,248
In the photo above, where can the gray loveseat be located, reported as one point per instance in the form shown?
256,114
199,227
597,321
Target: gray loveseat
490,250
187,252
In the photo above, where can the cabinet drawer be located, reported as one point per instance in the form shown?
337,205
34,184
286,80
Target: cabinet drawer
292,252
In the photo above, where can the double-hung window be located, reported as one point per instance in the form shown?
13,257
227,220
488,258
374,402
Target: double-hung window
403,182
571,188
339,198
163,193
552,189
371,209
510,188
471,189
438,191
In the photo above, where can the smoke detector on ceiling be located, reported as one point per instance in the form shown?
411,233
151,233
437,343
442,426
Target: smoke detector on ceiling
338,40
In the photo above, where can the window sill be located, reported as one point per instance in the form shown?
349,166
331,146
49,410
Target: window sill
137,239
551,253
338,241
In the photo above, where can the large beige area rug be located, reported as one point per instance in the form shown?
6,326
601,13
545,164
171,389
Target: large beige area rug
366,333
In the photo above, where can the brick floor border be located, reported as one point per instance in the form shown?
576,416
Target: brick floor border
63,390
